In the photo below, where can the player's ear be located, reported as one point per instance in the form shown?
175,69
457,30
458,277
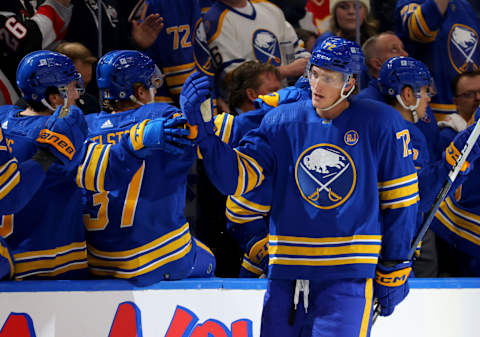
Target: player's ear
407,95
251,94
54,99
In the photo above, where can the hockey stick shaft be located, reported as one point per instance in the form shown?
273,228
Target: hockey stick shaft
452,175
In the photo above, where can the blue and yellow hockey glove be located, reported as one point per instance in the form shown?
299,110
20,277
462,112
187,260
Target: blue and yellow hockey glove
282,96
64,136
391,285
166,134
255,260
197,107
453,150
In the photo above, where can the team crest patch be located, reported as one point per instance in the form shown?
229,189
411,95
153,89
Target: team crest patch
463,49
266,47
351,137
325,175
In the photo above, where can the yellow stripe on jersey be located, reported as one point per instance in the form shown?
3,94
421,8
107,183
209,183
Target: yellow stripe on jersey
246,264
219,26
412,178
325,251
459,217
448,108
323,262
136,135
178,68
174,80
223,125
418,28
140,250
325,241
6,254
250,174
74,256
9,177
129,274
399,192
92,171
250,204
163,99
202,245
130,204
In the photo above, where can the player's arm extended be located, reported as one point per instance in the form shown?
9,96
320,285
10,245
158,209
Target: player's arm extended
419,21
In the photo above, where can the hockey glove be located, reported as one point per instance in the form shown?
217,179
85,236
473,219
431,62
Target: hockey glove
282,96
453,150
64,137
255,260
391,285
165,134
196,107
454,122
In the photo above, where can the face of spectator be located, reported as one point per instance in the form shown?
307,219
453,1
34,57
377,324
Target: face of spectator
269,83
389,45
345,13
85,69
468,96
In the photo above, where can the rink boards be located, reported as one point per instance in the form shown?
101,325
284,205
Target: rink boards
216,308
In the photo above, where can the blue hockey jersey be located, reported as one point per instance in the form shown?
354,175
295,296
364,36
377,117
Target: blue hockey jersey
139,232
345,191
448,44
6,261
47,236
172,51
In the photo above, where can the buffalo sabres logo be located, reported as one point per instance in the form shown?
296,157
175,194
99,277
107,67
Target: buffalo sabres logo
325,175
266,47
463,49
351,137
201,52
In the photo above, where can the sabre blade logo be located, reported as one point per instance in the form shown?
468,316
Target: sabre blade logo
325,175
266,47
463,48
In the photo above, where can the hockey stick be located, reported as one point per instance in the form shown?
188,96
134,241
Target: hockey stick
452,175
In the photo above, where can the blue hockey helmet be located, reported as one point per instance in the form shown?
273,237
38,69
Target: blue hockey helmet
119,70
42,69
400,71
338,54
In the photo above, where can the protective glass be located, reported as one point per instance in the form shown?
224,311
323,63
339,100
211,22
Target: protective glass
319,76
79,86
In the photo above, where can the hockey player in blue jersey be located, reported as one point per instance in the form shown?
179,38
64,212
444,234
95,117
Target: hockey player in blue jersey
139,232
47,236
444,35
325,155
407,86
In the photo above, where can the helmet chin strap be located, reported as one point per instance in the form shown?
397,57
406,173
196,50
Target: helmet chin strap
411,108
48,106
342,97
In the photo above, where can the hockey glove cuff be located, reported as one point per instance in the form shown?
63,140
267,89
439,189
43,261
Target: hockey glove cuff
64,137
197,107
391,285
164,134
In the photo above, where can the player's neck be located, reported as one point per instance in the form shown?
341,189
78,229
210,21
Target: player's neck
333,112
406,114
235,3
30,112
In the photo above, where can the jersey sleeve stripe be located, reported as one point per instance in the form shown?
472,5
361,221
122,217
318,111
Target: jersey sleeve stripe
372,239
250,205
219,26
9,177
399,192
406,202
456,228
248,265
81,169
462,219
235,208
241,219
241,177
227,128
412,178
202,245
418,28
100,185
